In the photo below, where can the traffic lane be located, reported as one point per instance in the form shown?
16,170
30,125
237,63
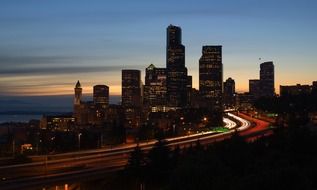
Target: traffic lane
62,164
260,125
52,168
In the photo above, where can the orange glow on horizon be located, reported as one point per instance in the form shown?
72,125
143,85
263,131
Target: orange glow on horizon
59,90
64,84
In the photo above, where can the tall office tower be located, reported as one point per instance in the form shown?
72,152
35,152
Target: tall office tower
255,88
131,88
267,79
211,80
229,92
189,89
155,88
131,97
175,66
77,100
314,86
101,95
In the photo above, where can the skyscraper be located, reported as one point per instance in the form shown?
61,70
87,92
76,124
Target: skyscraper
314,88
210,75
211,80
229,92
267,79
101,95
255,88
176,70
155,87
314,85
132,97
189,89
131,88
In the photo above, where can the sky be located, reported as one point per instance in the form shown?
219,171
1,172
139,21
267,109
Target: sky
47,45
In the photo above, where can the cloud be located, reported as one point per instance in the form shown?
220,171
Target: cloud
61,70
42,65
10,61
16,60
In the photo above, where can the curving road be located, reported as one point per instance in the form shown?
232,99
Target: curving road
78,164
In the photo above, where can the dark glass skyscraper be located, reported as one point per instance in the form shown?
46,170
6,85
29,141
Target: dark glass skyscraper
189,89
267,79
255,88
131,97
131,88
175,66
314,85
211,80
229,92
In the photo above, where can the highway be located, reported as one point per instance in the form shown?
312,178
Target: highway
68,166
245,124
229,123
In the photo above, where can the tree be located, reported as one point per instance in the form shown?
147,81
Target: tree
135,167
136,160
159,162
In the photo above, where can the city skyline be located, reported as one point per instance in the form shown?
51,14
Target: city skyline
47,47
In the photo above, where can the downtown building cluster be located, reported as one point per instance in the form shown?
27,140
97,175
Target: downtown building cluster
165,90
170,88
167,94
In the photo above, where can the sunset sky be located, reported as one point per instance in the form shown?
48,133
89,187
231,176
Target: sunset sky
47,45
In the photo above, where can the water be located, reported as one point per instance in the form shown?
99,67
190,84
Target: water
18,118
25,108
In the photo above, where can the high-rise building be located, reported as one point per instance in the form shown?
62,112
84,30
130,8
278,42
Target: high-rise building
211,79
210,75
314,88
155,88
255,88
314,85
131,97
131,88
176,70
267,79
229,92
77,100
189,89
101,95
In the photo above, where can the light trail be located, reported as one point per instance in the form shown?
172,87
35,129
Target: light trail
101,160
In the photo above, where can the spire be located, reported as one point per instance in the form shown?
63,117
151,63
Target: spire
78,84
151,67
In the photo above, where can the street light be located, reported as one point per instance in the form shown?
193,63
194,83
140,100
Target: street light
79,134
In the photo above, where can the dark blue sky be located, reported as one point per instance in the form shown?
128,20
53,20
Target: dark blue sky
47,45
